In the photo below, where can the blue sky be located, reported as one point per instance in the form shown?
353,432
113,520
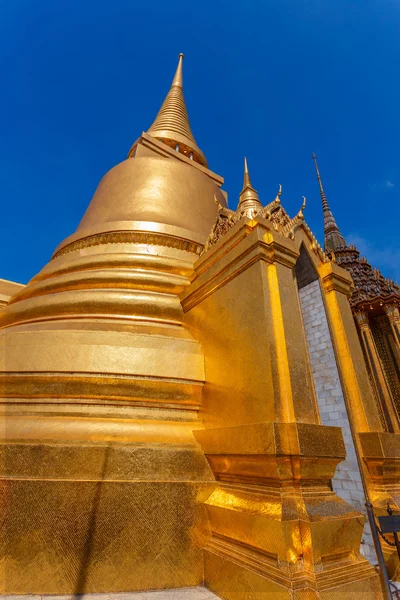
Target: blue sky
271,79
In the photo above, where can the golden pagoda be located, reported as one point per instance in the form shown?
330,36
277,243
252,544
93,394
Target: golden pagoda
161,418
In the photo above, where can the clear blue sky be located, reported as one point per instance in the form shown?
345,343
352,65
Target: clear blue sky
273,79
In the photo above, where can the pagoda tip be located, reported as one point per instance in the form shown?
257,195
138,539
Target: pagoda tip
178,79
246,170
181,55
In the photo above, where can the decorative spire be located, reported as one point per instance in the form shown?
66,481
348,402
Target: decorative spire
333,237
178,79
172,126
246,179
248,199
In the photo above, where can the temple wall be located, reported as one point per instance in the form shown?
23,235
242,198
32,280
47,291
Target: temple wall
347,480
94,518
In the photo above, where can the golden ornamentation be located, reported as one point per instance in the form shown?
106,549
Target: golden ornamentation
129,237
250,207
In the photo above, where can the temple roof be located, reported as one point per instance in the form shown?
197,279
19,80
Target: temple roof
371,287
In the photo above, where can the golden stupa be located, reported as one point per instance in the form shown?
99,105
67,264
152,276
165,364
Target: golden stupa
161,425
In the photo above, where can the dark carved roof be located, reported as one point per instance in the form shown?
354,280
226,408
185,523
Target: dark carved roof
370,285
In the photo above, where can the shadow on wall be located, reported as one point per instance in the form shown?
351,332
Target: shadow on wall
87,549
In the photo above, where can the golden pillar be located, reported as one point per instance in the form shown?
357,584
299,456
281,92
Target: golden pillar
387,330
277,527
378,451
393,314
382,389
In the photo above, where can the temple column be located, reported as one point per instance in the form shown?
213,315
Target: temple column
393,314
378,451
389,352
382,390
337,288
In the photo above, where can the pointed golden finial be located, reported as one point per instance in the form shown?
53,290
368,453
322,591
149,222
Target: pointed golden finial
178,79
333,237
246,179
279,194
172,126
248,199
300,214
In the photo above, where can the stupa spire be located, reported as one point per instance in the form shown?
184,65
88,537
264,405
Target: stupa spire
333,237
178,79
249,202
246,180
171,124
248,193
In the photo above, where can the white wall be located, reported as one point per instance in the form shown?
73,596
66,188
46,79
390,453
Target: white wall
347,480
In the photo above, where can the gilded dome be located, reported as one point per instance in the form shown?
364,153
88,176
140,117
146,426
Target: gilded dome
152,193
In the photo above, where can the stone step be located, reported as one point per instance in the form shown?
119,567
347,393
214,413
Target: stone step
191,593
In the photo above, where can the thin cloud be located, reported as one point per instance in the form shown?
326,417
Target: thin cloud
385,259
385,185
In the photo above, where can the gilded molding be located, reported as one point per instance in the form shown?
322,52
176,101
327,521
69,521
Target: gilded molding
336,279
139,455
315,246
132,237
81,388
227,261
256,466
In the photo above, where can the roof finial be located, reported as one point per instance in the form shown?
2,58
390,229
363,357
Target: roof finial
178,79
325,205
279,194
172,126
246,179
333,237
248,198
